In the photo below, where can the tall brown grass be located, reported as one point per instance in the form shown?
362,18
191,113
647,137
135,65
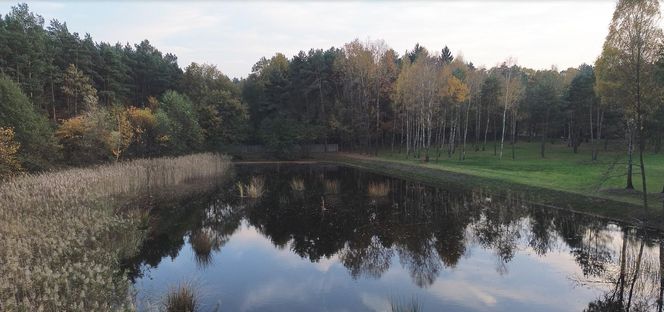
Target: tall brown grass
181,299
331,186
297,184
256,187
63,234
378,189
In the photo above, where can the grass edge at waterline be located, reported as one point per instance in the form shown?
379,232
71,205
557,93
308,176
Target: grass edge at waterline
591,205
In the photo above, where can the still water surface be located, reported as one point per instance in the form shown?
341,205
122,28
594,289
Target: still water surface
349,240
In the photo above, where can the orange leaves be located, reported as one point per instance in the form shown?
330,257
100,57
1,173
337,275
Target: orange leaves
72,129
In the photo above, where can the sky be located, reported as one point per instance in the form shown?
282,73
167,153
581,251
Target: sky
235,35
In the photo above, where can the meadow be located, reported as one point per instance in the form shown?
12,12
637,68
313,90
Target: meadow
560,169
64,233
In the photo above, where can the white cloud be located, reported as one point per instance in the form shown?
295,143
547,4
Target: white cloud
234,35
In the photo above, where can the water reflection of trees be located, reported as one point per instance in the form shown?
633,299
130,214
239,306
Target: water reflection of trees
429,229
207,221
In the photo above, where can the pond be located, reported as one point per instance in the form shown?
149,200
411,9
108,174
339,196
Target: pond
333,238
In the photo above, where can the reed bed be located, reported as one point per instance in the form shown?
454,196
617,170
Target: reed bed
63,233
378,189
297,184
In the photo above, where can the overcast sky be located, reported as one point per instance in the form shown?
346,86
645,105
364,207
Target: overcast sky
234,35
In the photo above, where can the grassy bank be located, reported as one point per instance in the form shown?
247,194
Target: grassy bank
561,169
63,233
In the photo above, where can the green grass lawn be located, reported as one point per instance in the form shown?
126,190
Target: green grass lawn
561,169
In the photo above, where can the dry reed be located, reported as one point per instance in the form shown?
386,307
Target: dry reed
181,299
62,233
331,186
378,189
255,188
297,184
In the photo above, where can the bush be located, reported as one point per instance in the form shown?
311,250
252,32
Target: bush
223,118
282,137
39,149
9,164
144,124
178,124
85,137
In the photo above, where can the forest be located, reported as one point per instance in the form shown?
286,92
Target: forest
69,100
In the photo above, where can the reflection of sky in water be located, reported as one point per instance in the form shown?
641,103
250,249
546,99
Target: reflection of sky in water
251,274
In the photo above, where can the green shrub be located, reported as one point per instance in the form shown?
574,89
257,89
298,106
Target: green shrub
39,149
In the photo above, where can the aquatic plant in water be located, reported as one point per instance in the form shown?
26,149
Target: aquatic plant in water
297,184
181,299
255,188
331,186
397,305
378,189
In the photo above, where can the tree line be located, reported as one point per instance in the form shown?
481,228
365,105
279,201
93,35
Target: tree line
71,99
67,99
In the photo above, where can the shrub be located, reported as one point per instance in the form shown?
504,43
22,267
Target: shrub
85,138
9,164
39,149
178,122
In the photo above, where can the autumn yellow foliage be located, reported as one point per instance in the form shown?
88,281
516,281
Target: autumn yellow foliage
9,163
119,138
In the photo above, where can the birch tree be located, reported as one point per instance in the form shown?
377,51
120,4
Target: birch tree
513,92
635,37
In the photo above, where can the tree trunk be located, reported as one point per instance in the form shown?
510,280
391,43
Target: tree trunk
630,150
465,133
495,139
592,136
53,99
636,274
621,278
545,133
486,128
661,277
514,138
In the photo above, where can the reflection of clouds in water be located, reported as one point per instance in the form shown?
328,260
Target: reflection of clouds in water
481,297
480,289
275,292
375,303
438,245
325,264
